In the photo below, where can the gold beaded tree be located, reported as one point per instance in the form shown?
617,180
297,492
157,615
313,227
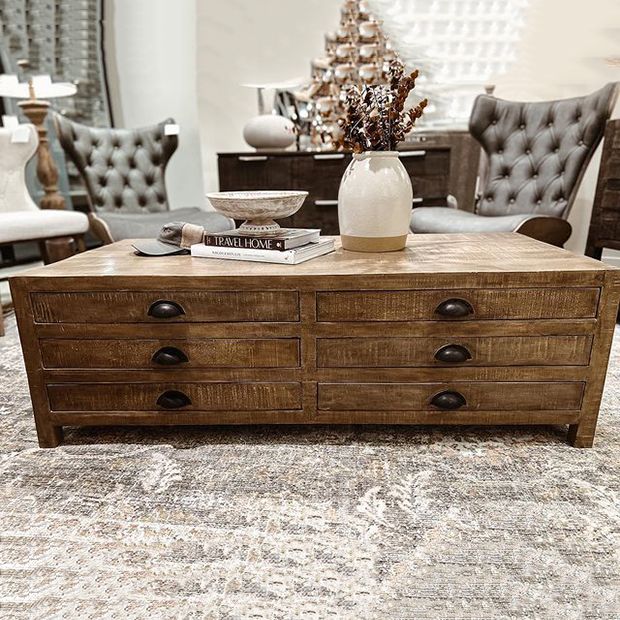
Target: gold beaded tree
356,54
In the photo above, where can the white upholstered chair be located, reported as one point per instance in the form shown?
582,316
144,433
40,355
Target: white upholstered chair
59,233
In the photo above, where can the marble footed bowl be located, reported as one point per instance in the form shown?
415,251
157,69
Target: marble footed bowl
259,209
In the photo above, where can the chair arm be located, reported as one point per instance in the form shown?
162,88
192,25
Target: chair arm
552,230
452,202
100,229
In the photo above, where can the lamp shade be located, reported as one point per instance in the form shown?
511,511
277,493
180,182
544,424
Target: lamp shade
42,86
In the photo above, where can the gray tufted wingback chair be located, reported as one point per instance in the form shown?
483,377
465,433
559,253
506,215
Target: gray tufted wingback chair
536,156
123,170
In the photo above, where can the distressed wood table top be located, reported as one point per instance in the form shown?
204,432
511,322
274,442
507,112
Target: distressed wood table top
424,254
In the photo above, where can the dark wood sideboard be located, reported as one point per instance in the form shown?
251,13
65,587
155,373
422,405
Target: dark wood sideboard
605,222
434,164
320,174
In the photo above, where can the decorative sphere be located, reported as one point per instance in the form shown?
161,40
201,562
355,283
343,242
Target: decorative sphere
269,131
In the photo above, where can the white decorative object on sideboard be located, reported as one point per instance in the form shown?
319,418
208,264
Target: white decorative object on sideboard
268,130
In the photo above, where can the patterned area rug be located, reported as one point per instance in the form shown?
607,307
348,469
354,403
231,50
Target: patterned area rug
359,523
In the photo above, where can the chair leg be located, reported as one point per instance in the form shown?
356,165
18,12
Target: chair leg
81,244
7,254
57,248
593,251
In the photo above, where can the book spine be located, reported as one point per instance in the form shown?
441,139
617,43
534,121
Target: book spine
248,243
265,256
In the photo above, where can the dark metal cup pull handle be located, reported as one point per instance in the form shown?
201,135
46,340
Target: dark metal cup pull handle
169,356
173,399
448,400
453,354
164,309
454,308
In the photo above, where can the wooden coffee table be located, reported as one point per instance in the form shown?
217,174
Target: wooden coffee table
456,329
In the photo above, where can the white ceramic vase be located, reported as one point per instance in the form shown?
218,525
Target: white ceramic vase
374,203
269,131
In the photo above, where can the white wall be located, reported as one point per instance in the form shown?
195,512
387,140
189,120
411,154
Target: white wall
151,56
242,41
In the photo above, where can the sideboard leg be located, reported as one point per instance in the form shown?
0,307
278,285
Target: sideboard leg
49,436
579,441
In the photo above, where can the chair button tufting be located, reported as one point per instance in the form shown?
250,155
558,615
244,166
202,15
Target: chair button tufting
534,176
493,122
538,202
580,142
521,126
511,201
500,151
556,150
527,151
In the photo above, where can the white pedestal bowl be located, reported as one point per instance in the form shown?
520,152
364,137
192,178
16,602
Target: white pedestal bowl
259,209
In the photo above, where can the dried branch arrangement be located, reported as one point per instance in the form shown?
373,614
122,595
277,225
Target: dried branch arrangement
375,117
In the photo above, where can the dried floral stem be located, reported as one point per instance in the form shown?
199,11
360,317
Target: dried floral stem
375,117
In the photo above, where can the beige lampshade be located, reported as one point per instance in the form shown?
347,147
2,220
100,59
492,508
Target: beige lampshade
42,85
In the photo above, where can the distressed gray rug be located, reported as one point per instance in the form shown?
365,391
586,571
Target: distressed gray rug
359,523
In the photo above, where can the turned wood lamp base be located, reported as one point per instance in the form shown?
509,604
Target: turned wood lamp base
47,173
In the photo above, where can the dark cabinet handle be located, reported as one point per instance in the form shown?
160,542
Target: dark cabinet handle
448,400
454,308
163,309
173,399
453,354
169,356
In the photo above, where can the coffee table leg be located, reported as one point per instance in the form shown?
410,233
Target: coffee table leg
49,436
579,441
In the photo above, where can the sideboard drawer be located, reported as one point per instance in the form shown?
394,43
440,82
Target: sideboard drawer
428,305
480,396
258,171
427,163
456,351
171,353
174,396
165,306
322,173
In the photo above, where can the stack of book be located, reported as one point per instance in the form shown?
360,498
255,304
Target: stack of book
287,245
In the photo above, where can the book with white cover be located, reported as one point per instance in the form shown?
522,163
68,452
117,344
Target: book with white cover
291,257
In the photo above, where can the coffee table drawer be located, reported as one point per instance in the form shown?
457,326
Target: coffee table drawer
466,396
171,353
428,305
165,306
174,396
458,351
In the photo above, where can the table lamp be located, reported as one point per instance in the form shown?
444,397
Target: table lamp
34,95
